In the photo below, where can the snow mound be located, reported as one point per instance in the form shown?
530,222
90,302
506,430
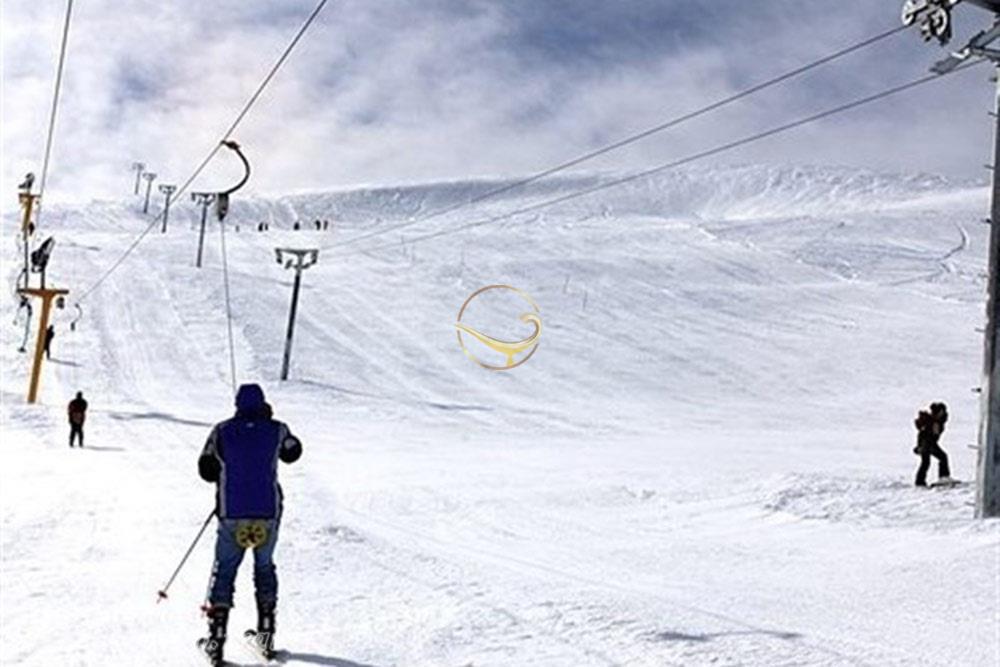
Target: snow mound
883,501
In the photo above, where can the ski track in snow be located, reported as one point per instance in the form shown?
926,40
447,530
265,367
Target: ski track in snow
706,464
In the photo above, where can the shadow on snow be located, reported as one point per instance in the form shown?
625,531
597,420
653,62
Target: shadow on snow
162,416
668,636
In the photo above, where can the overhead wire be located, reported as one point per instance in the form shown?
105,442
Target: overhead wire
229,308
633,138
53,111
758,136
208,158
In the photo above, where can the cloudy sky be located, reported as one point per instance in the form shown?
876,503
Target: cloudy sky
390,91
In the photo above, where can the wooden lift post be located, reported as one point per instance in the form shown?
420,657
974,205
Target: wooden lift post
47,296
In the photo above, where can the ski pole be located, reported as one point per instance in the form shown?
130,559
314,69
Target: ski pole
163,591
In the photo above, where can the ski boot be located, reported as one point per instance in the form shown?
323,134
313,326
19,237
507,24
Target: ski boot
262,639
218,619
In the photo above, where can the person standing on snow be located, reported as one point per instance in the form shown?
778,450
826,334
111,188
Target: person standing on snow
50,333
930,426
77,410
241,457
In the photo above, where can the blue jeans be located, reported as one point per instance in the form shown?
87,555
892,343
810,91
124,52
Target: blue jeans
229,555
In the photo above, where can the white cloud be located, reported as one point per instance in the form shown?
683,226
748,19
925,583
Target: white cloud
411,91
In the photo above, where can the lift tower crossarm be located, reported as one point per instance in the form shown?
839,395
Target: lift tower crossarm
47,296
978,46
991,5
299,259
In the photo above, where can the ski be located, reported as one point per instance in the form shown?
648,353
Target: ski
946,483
259,646
202,646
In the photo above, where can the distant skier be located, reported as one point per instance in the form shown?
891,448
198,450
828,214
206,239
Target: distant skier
296,227
50,333
77,412
930,426
249,504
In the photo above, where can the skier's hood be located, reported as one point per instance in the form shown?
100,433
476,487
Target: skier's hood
249,399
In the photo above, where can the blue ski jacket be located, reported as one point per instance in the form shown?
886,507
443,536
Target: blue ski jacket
241,456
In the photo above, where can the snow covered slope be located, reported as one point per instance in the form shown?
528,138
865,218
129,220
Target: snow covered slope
707,461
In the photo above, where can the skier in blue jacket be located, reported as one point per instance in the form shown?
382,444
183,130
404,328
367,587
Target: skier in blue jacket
241,457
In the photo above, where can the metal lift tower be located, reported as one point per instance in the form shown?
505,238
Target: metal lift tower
934,18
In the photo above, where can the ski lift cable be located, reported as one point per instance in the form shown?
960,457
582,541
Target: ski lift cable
208,158
53,112
229,308
722,148
631,139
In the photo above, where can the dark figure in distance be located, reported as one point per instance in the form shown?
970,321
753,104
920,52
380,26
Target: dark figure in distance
248,504
296,226
77,411
930,426
29,180
50,333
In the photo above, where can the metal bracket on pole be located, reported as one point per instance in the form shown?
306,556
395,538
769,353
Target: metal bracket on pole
300,260
977,46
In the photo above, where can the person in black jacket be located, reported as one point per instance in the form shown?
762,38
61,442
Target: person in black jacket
77,412
930,426
241,458
50,333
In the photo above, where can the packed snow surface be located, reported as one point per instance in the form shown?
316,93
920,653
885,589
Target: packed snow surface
707,461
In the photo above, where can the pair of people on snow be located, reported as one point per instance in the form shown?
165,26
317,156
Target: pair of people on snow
241,458
930,425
